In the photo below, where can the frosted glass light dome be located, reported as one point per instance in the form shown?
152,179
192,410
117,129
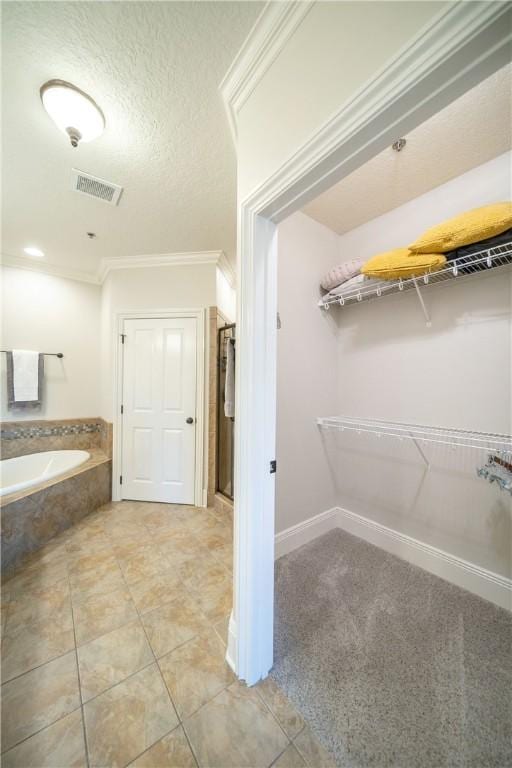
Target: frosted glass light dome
72,111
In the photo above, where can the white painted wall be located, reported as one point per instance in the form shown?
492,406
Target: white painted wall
54,314
390,365
192,286
137,290
226,297
306,371
335,50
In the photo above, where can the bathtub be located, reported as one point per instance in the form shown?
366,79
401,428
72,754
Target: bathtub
27,471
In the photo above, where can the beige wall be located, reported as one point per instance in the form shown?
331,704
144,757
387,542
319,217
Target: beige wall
335,50
54,314
306,371
137,290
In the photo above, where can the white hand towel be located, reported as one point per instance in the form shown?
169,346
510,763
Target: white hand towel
25,375
229,385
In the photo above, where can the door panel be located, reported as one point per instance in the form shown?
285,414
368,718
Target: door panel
159,394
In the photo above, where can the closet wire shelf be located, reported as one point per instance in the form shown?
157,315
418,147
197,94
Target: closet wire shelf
492,442
465,266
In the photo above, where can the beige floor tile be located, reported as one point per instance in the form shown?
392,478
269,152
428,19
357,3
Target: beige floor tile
127,719
120,530
4,608
126,548
215,600
289,759
28,646
315,755
82,543
100,614
235,730
161,521
52,554
147,562
154,591
172,751
177,540
196,672
222,628
181,560
41,604
288,717
39,698
94,562
172,624
111,658
61,745
38,576
204,572
105,578
214,538
224,555
196,518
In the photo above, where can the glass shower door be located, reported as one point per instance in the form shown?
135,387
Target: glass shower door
225,421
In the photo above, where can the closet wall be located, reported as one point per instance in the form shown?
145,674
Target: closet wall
389,365
306,371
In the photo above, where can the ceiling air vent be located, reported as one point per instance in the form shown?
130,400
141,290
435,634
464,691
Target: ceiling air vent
95,187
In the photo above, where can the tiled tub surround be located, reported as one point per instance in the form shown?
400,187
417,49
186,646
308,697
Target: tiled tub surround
19,438
33,516
113,652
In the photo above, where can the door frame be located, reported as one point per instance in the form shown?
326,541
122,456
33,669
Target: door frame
200,469
463,45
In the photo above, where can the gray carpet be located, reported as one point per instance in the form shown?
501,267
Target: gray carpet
392,666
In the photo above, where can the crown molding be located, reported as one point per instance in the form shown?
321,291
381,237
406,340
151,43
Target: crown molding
227,270
267,38
449,34
18,262
185,258
107,265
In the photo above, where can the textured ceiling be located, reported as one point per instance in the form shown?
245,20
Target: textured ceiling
472,130
154,68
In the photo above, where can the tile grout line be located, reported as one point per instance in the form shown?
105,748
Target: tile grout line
44,728
48,725
157,659
84,730
188,591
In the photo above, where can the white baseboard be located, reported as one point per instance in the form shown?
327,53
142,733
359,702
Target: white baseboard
487,584
302,533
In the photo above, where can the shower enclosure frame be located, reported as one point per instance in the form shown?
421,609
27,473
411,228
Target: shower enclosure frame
223,329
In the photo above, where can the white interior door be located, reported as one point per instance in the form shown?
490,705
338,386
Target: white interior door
159,410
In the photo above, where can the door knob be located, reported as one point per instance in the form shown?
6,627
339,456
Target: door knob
190,420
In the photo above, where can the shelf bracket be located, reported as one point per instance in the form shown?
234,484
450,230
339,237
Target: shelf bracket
423,307
420,451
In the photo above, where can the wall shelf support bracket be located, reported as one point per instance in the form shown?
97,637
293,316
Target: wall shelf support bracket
420,451
428,321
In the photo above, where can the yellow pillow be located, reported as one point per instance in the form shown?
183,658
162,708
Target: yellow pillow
469,227
402,263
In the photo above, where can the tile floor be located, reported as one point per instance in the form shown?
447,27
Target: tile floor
113,645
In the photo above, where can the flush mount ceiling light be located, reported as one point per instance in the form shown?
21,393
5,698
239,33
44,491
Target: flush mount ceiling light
31,250
72,111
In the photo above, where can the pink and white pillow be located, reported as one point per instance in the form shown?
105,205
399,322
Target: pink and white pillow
341,273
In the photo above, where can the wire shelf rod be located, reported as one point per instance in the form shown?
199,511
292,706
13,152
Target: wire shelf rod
476,264
455,438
